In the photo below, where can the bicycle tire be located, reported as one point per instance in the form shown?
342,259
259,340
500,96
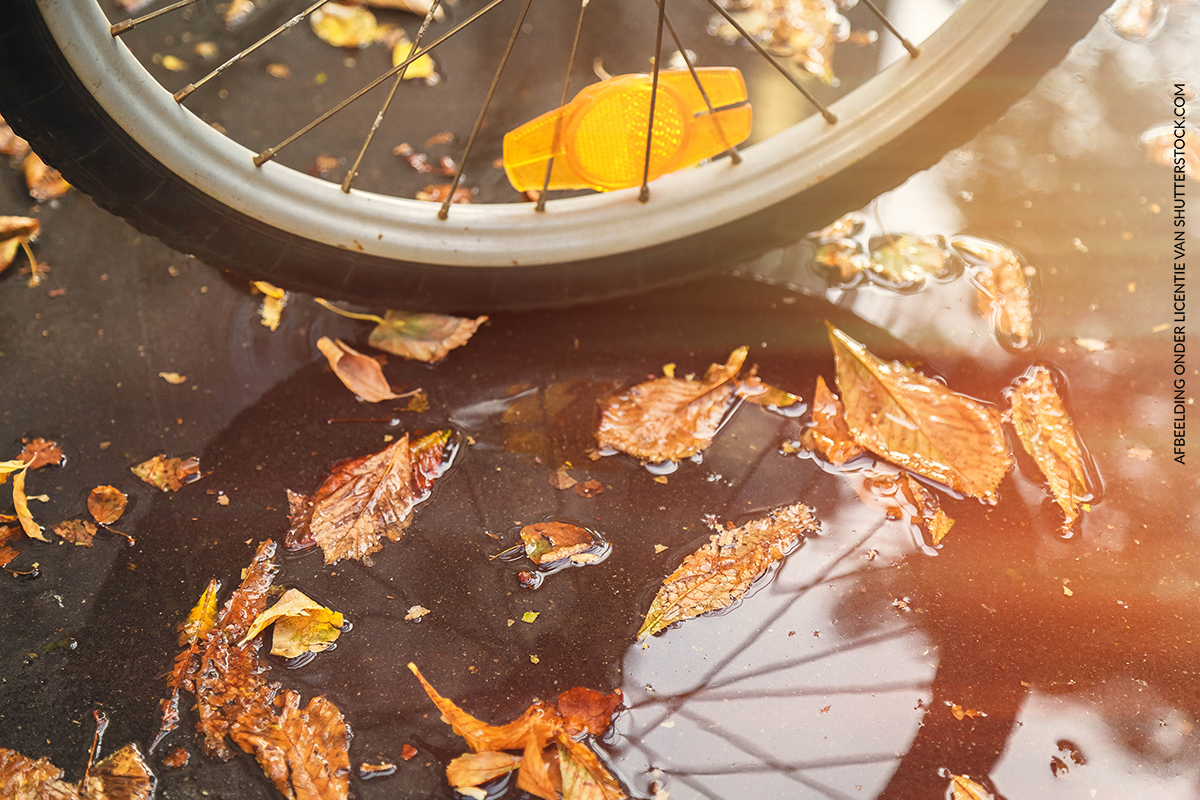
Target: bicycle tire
48,103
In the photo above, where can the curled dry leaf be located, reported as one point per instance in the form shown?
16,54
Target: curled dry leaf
547,542
106,504
829,435
44,182
721,571
168,474
305,752
1004,288
124,775
12,145
173,378
542,734
78,532
359,373
473,769
21,504
917,423
16,233
422,337
301,625
39,453
415,613
369,497
963,788
906,261
1047,433
667,419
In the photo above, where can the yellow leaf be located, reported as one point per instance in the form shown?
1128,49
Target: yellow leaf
420,69
964,788
301,625
472,769
917,423
203,616
724,568
31,528
1004,288
583,776
345,26
1046,432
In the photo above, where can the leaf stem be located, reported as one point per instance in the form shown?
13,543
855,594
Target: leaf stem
348,314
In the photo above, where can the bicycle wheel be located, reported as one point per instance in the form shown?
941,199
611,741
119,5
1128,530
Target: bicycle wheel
94,112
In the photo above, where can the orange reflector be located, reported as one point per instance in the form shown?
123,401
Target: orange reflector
598,140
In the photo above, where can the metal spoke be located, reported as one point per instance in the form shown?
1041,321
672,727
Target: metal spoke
912,49
734,155
121,27
829,116
541,201
269,153
644,195
386,103
191,87
444,211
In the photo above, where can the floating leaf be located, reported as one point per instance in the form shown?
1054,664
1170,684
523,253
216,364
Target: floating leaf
829,435
274,300
583,776
228,679
842,262
721,571
421,69
547,542
667,419
919,424
1004,288
39,453
901,496
123,775
1047,433
754,390
168,474
367,498
415,613
963,788
305,752
422,337
176,759
44,182
589,488
8,534
21,504
301,625
906,261
78,532
106,504
473,769
1138,21
359,373
587,711
1159,143
192,632
842,228
345,26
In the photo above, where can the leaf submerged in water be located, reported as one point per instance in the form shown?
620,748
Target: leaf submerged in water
828,435
1005,293
168,474
106,504
906,261
123,775
668,419
547,542
721,571
1047,433
919,424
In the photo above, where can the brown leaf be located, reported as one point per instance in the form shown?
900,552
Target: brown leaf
668,419
192,633
22,778
1047,433
12,145
472,769
589,488
8,534
305,752
906,261
560,479
422,336
301,625
123,775
228,679
587,711
754,390
829,435
45,183
436,193
369,497
106,504
76,531
535,775
299,533
583,776
963,788
15,233
21,504
919,424
176,759
723,569
41,452
168,474
359,373
547,542
1004,288
901,496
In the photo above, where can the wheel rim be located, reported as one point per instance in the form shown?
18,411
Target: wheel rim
572,229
